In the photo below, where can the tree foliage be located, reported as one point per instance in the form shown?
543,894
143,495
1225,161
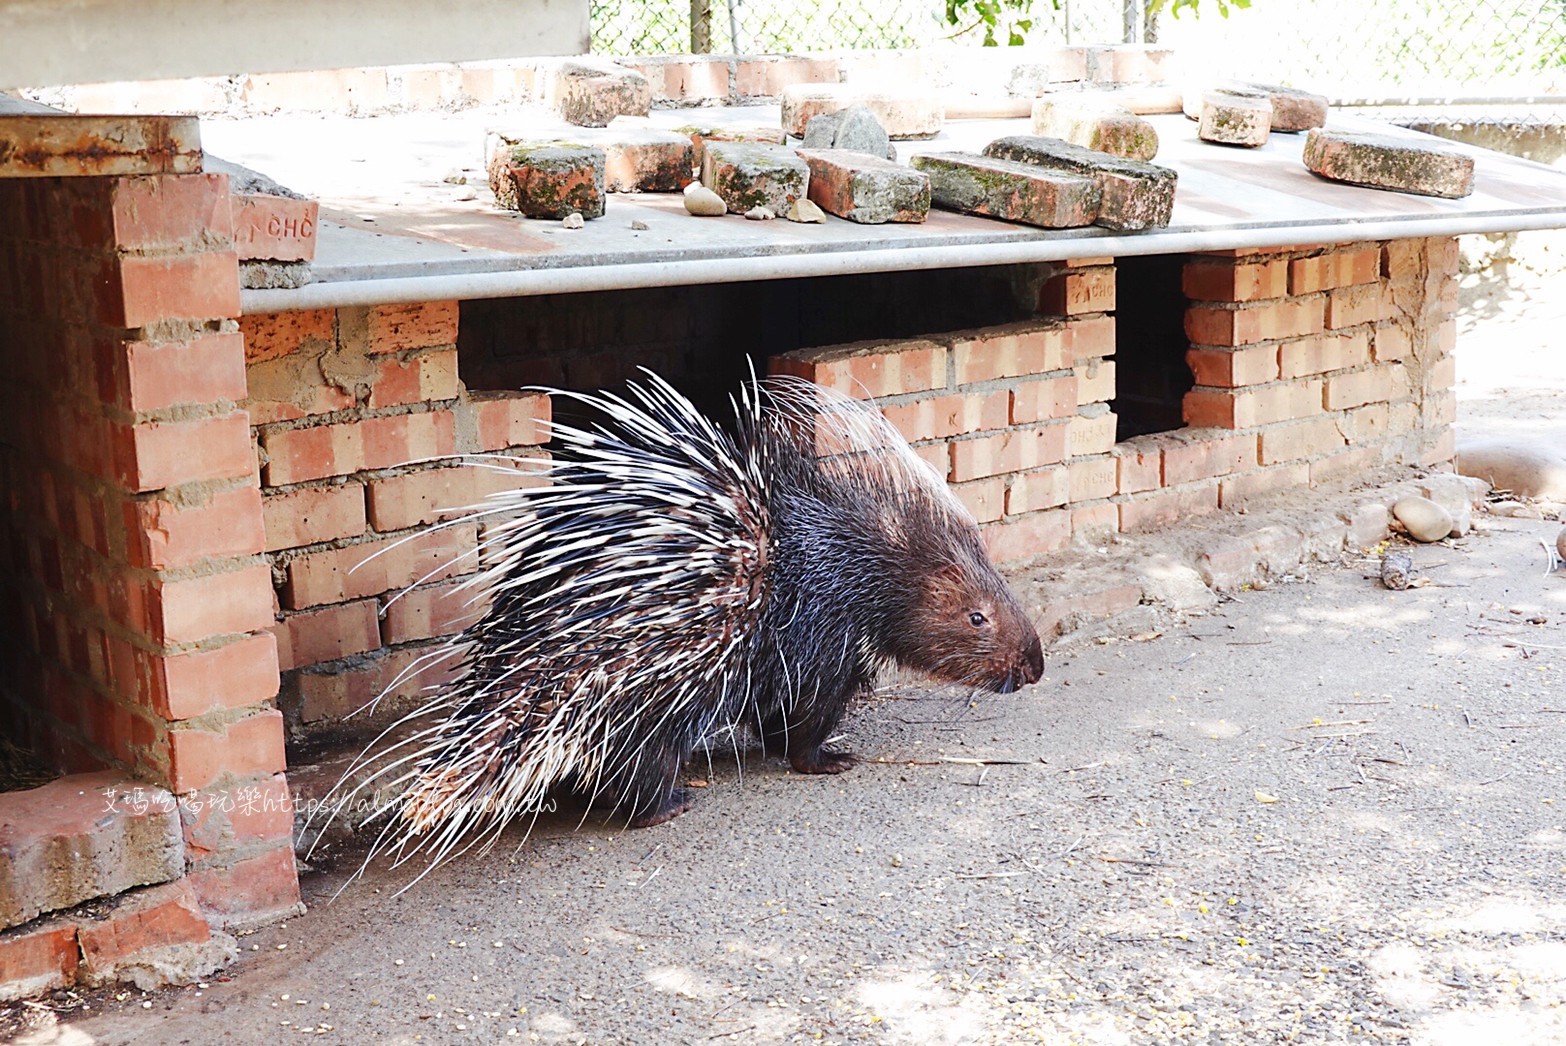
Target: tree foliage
1011,20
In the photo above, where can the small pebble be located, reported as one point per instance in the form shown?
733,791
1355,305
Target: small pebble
456,177
574,220
803,210
465,195
760,214
639,225
1560,543
703,202
897,860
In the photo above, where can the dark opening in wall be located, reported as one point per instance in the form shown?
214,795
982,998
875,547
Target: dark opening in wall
704,339
1151,375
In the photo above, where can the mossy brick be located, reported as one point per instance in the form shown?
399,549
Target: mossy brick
748,175
1015,192
864,188
904,114
1293,110
1135,195
591,92
1235,118
1384,161
1095,123
549,180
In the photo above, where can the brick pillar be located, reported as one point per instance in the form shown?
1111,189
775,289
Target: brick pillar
1420,328
138,604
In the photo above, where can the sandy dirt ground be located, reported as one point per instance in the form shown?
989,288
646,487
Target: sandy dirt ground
1320,812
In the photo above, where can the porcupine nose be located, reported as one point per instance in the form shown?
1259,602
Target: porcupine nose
1030,667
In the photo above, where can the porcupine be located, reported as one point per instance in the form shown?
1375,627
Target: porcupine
674,580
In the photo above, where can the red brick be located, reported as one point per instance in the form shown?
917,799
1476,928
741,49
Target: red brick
1328,352
335,575
938,417
869,369
1095,381
348,688
1038,489
159,454
1191,460
215,822
241,673
187,610
245,748
1327,271
544,179
427,325
251,892
327,634
766,76
149,288
275,334
1139,466
1011,351
1230,368
1163,507
417,498
1097,521
511,420
142,920
1044,400
1442,375
298,455
1088,606
1015,451
1090,336
1091,478
313,514
429,611
1093,434
37,958
985,498
164,534
1234,491
1350,306
275,228
1033,534
422,378
1354,462
1300,439
1223,281
938,456
1403,260
161,374
1366,424
1248,324
159,212
1357,388
1077,292
1253,405
1392,343
871,190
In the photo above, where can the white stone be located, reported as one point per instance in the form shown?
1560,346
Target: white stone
803,210
703,202
1423,519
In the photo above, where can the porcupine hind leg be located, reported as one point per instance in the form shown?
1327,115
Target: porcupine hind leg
649,796
802,737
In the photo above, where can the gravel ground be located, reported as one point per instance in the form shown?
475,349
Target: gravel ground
1321,812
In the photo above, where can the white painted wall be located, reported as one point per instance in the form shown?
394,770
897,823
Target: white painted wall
51,42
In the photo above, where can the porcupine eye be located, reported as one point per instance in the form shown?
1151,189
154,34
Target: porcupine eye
977,619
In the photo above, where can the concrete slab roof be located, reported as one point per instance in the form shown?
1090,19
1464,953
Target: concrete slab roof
393,229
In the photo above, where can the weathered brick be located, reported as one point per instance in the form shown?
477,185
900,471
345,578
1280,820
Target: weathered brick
190,609
1079,291
1234,118
1094,123
1139,465
1044,400
904,114
590,92
252,892
244,672
299,455
161,374
163,212
1320,355
1235,491
327,633
1032,534
1161,508
549,180
1096,522
1247,324
1133,195
1095,381
1091,478
1038,489
1357,388
985,498
38,959
1350,306
75,839
1248,407
245,748
1329,271
1091,434
870,190
274,334
1300,439
1231,368
766,76
275,228
1090,336
163,534
147,288
426,377
647,160
158,454
141,924
504,420
418,498
746,175
939,417
397,328
1009,190
430,610
1385,161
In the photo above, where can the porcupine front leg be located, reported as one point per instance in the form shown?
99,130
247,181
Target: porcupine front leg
649,796
802,737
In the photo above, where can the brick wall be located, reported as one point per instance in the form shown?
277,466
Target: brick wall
1309,363
138,607
358,413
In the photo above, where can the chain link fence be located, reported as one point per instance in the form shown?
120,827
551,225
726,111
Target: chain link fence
1455,52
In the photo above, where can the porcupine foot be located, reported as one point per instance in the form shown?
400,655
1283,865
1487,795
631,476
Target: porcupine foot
677,803
822,761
